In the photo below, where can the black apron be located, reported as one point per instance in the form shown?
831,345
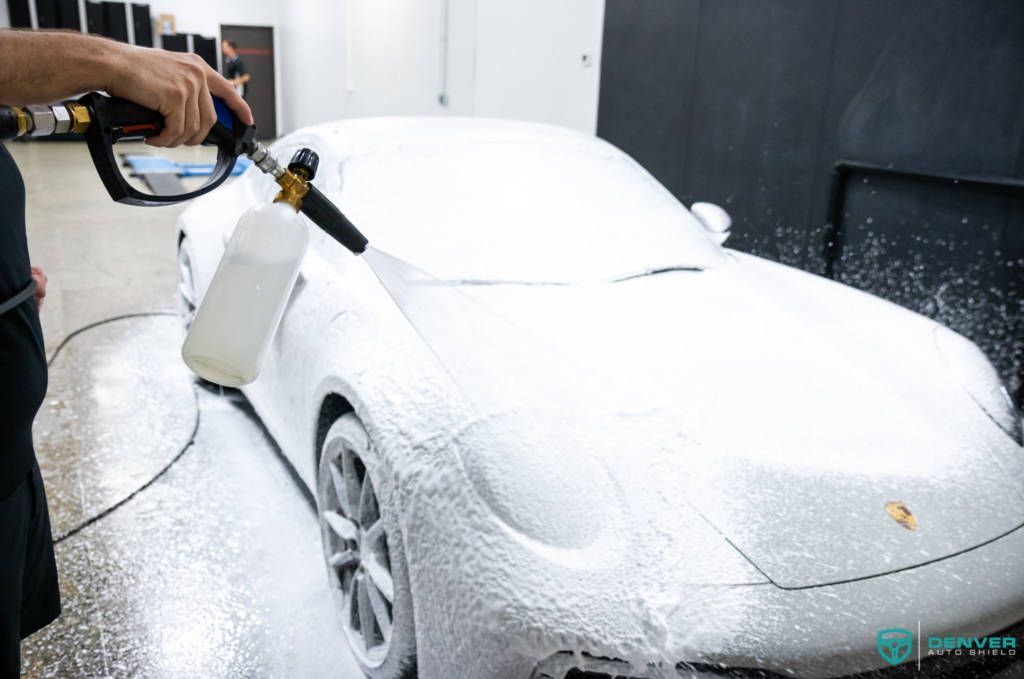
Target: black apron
22,355
29,592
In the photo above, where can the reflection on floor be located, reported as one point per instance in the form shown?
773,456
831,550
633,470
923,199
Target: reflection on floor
214,570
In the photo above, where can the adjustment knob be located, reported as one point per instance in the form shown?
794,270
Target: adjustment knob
307,160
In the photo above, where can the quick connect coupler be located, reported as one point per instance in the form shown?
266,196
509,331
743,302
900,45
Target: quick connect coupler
297,191
42,121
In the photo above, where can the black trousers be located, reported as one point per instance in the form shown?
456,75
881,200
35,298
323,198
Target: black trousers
29,595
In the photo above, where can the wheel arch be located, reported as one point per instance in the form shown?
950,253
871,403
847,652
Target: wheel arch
332,407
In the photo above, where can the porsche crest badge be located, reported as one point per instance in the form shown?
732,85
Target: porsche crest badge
901,514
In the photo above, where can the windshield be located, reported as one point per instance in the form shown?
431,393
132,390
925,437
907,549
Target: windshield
521,212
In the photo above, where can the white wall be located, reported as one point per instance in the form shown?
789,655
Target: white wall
311,83
530,60
206,16
352,58
505,58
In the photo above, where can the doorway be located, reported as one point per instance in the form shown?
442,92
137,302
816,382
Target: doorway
256,49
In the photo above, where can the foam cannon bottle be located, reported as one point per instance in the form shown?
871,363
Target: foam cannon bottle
232,329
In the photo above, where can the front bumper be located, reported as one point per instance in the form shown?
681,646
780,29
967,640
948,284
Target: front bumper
832,631
491,602
568,665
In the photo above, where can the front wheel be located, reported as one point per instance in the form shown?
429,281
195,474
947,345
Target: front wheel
187,297
363,551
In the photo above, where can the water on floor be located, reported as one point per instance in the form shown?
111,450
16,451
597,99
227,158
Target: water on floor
215,569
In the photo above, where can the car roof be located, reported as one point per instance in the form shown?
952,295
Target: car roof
359,135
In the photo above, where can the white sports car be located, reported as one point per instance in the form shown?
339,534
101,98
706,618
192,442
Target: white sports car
610,447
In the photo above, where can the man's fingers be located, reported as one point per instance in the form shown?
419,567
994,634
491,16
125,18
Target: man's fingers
193,119
180,87
207,117
40,278
219,87
174,123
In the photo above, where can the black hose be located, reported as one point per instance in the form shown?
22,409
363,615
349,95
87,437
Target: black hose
163,470
8,123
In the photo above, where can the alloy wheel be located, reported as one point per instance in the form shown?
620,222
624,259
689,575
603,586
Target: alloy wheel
186,287
356,550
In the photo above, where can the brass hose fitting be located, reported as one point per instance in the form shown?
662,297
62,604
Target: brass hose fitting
80,118
24,121
294,187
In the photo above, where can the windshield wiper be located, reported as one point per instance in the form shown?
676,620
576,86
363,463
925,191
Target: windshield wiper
485,281
655,272
488,281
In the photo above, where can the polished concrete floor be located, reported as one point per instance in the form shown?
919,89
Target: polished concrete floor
213,570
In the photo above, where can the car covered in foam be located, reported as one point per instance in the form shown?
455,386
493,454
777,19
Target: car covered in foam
562,432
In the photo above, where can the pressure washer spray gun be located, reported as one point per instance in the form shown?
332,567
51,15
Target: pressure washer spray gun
229,336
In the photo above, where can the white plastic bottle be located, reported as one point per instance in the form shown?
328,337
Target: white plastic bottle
242,308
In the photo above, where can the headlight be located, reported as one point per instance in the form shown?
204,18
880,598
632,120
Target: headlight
541,486
980,379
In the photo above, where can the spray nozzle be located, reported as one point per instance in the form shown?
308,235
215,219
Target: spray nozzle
297,191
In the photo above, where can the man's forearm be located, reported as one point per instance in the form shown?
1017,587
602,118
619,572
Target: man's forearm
40,67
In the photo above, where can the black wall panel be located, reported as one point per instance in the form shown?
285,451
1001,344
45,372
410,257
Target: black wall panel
143,25
749,104
206,48
47,14
175,43
649,67
57,14
743,106
95,18
70,18
115,20
19,14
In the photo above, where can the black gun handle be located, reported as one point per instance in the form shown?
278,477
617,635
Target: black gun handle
115,119
328,217
130,120
124,119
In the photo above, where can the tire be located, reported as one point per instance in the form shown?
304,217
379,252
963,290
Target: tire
187,297
363,553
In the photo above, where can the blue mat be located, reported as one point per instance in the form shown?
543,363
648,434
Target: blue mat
140,165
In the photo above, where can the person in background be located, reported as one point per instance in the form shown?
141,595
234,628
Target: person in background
234,67
40,67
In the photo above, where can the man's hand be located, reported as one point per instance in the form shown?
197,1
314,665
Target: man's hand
40,67
40,278
178,86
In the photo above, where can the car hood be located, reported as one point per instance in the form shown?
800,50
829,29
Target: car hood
800,418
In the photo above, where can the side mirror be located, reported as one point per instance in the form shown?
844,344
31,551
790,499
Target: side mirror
714,219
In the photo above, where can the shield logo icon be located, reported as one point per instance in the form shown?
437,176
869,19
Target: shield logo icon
894,645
